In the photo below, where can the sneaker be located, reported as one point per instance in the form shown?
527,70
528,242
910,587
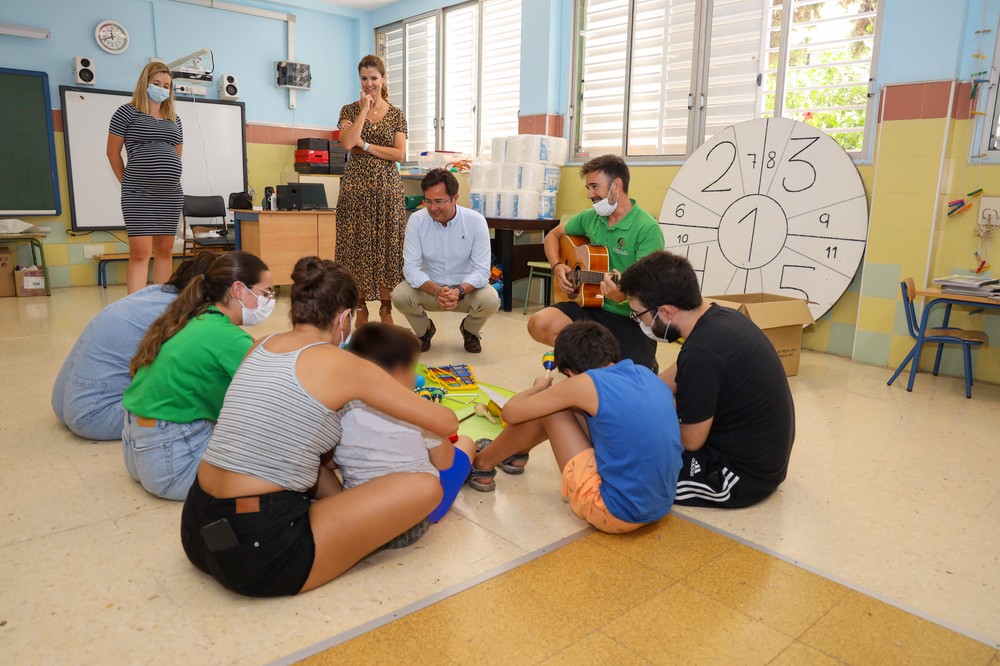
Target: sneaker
425,339
472,343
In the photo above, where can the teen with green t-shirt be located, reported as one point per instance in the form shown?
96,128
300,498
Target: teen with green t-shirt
183,368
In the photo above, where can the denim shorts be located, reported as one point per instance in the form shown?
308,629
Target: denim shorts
164,457
274,552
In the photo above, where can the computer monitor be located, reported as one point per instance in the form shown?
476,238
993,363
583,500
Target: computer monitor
302,196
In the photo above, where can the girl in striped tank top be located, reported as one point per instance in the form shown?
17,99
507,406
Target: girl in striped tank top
249,519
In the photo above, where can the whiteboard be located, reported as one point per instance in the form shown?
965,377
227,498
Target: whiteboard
214,157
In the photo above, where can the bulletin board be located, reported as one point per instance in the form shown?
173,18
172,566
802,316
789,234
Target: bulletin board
29,182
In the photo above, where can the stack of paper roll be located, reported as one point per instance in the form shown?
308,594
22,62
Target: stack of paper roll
521,177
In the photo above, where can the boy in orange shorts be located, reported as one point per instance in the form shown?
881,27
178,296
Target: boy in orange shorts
612,427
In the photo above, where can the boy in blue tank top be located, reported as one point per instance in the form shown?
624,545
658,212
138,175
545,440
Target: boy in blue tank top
612,427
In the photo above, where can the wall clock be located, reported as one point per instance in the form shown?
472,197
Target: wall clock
769,205
112,36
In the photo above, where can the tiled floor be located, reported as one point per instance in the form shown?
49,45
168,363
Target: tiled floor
639,599
894,493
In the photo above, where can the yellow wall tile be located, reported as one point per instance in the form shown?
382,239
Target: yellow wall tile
877,314
83,274
930,137
817,336
899,348
899,138
846,309
57,254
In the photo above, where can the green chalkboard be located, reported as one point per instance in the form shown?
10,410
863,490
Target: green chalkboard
29,183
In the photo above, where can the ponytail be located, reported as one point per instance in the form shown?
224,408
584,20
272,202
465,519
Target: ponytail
189,304
201,292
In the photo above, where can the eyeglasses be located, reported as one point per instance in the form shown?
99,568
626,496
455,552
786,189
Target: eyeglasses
636,316
266,293
436,202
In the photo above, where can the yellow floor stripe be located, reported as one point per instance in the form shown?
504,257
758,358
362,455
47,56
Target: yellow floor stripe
674,592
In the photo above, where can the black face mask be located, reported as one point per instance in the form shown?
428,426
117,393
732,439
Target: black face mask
665,331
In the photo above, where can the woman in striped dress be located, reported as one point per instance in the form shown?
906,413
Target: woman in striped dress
152,198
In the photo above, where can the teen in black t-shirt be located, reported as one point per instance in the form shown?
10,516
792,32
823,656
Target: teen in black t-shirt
735,409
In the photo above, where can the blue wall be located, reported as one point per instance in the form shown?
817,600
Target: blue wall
921,40
247,46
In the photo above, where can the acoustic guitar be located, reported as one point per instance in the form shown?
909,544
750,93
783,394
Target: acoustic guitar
588,265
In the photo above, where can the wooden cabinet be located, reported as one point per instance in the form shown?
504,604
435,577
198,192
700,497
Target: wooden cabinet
281,238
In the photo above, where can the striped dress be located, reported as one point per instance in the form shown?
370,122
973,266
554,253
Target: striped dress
270,427
152,198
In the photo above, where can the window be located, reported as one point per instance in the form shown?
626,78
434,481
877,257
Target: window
437,65
657,77
988,127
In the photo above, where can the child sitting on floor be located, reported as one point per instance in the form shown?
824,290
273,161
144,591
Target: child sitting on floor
612,427
374,444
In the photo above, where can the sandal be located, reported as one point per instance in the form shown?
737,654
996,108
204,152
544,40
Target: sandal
385,312
475,475
361,316
510,468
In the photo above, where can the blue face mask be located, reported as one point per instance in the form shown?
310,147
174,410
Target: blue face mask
156,93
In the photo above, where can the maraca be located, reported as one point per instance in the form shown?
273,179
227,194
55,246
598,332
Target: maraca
549,363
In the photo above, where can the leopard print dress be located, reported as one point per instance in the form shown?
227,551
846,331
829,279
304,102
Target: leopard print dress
371,217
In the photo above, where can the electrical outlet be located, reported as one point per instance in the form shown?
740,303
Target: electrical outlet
989,210
90,250
190,89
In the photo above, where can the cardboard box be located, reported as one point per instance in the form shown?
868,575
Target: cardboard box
29,282
780,317
7,259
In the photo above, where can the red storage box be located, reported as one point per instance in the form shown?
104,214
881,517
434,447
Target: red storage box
312,156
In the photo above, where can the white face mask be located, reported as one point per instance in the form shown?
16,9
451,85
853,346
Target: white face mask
670,332
346,341
604,208
254,316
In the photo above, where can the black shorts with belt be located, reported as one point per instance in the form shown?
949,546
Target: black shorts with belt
274,548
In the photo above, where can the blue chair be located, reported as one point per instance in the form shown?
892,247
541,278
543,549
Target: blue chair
938,336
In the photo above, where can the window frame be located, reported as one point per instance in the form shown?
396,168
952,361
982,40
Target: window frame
439,16
981,150
697,110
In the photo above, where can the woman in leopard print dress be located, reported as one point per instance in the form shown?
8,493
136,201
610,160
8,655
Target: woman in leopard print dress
371,218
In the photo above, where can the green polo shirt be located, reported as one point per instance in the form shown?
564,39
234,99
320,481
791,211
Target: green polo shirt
635,236
188,379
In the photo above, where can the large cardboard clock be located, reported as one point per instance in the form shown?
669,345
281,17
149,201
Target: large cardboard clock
770,205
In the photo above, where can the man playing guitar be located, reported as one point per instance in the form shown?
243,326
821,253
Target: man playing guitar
628,233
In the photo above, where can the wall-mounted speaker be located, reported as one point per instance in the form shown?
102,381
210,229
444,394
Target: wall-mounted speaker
83,71
228,88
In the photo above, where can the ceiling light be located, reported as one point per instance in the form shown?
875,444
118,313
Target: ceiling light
23,31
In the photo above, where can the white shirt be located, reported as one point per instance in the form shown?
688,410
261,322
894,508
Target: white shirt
447,255
374,444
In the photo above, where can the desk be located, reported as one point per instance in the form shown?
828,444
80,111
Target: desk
515,258
934,296
282,237
36,243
